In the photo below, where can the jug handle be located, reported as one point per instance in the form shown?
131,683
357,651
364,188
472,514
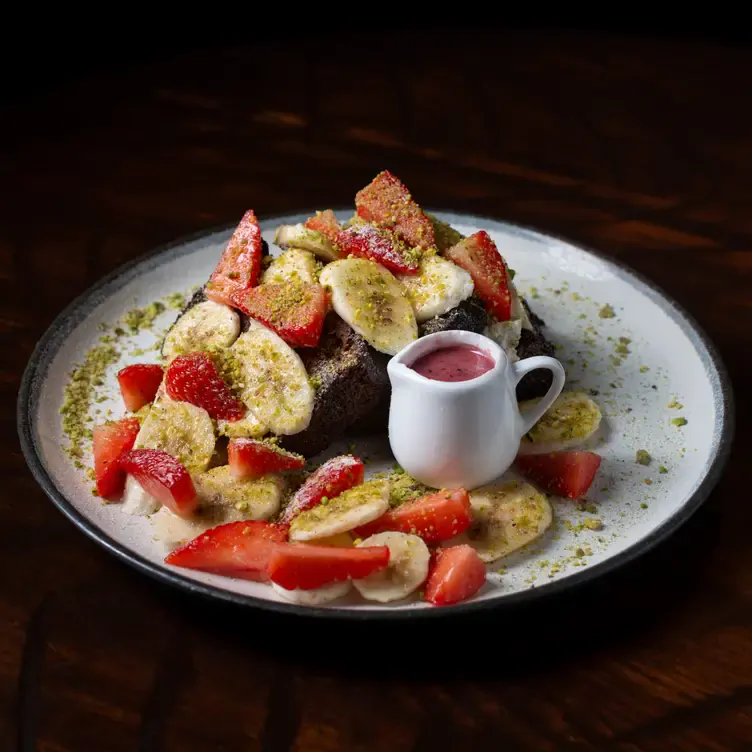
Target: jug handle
521,367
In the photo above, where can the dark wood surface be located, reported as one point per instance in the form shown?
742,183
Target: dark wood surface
639,148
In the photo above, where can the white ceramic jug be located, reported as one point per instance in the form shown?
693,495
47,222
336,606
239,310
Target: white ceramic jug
462,433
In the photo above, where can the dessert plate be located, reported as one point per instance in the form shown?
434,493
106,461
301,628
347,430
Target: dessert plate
658,380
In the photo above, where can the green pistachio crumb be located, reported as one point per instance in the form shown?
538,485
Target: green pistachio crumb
642,457
679,422
662,469
607,312
643,505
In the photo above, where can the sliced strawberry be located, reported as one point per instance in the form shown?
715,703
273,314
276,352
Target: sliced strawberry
456,574
480,258
388,203
567,474
334,477
295,311
163,477
434,518
111,440
379,245
139,384
194,378
249,458
299,565
237,549
326,223
238,268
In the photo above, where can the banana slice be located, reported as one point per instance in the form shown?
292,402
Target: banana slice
206,325
136,500
355,507
299,236
316,597
438,287
506,516
180,429
372,301
248,427
506,334
258,499
171,531
272,380
294,265
570,421
409,558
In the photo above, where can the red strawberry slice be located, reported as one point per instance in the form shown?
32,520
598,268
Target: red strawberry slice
334,477
388,203
380,245
299,565
163,477
295,311
111,440
139,384
238,268
249,458
456,574
480,258
237,549
434,518
326,223
567,474
194,378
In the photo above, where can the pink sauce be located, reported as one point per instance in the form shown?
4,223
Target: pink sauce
454,363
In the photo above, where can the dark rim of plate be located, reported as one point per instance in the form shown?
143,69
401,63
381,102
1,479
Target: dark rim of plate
79,309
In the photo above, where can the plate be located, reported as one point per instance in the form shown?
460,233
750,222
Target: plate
647,365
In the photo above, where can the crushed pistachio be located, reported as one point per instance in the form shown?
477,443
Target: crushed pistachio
142,318
176,301
674,404
642,457
607,312
592,523
662,469
679,422
643,505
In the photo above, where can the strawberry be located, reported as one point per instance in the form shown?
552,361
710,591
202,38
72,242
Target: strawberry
387,202
456,574
194,378
334,477
249,458
110,441
326,223
163,477
238,268
480,258
567,474
236,549
380,245
295,311
139,384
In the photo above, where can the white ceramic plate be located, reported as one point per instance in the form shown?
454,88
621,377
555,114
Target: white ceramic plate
670,361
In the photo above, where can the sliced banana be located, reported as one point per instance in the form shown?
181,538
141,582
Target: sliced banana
272,380
315,597
438,287
136,500
506,334
506,516
299,236
409,558
180,429
257,499
349,510
519,313
373,302
248,427
569,422
171,531
206,325
294,265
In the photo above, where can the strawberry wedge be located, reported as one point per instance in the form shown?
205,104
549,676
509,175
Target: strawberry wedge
567,474
386,202
480,258
456,574
434,518
298,565
334,477
237,549
194,378
295,311
326,223
238,268
139,384
112,440
250,458
163,477
379,245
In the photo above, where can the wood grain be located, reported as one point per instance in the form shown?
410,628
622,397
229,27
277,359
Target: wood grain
637,147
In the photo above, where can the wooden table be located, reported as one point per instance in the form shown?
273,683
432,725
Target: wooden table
642,149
